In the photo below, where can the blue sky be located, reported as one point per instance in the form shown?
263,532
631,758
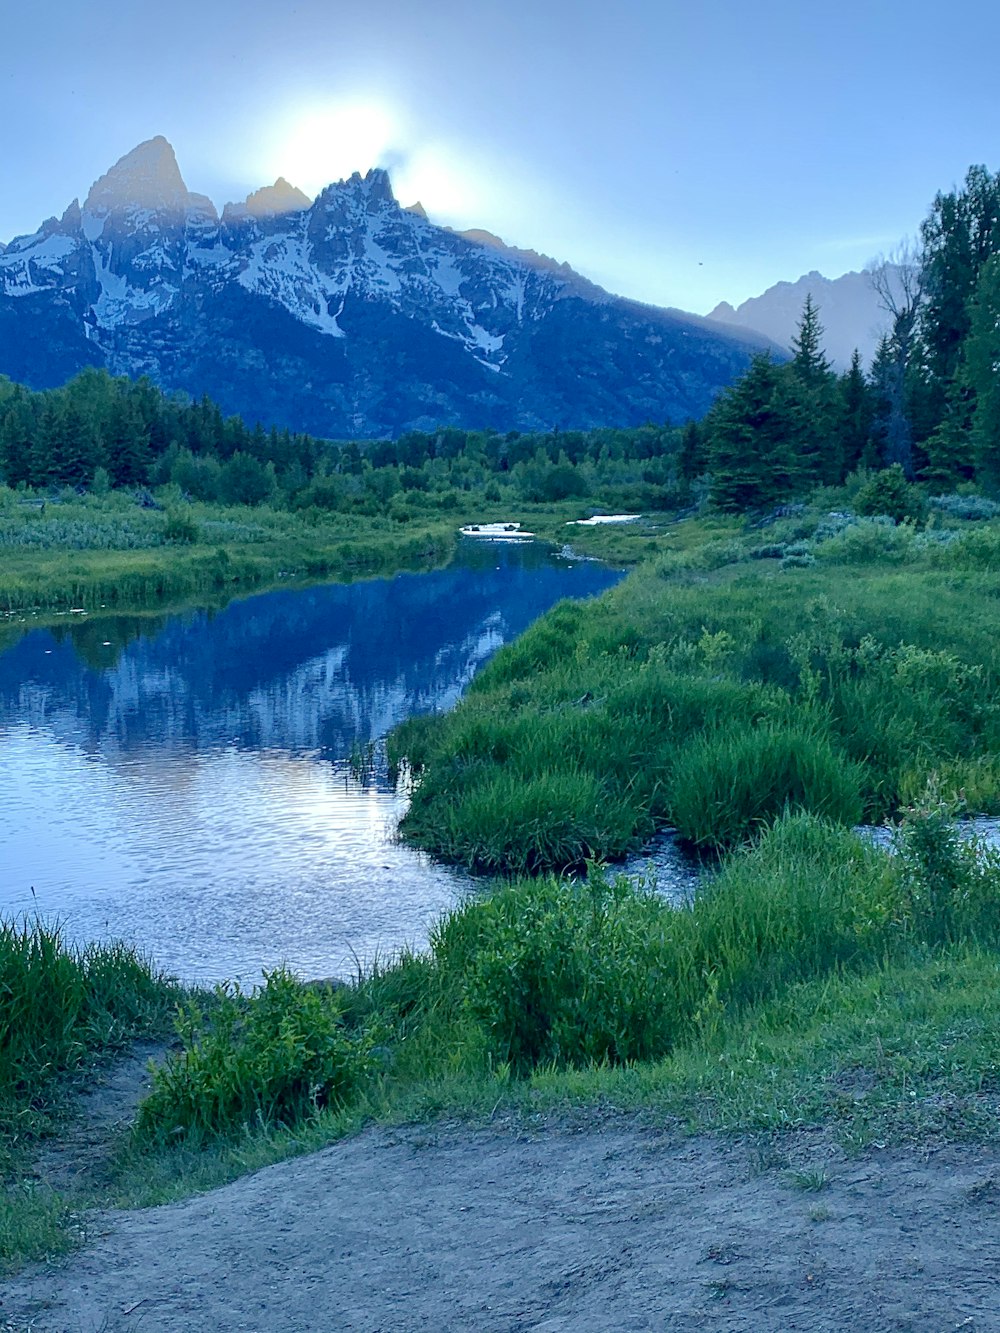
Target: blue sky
677,153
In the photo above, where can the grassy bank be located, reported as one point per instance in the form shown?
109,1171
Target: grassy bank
60,1010
759,691
817,981
109,552
723,681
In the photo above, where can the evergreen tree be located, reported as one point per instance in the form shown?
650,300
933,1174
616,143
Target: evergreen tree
750,440
126,445
692,459
856,411
891,430
18,427
813,401
809,359
961,233
981,373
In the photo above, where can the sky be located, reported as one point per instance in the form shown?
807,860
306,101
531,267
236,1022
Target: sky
676,153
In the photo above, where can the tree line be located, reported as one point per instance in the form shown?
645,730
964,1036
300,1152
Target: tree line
99,432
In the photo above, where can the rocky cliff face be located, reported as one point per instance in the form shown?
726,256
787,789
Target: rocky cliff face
347,317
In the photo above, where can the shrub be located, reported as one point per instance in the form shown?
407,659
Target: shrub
889,493
875,541
275,1058
969,507
569,973
565,972
180,528
949,879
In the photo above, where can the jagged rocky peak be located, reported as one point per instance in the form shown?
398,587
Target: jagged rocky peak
147,177
371,191
271,201
417,210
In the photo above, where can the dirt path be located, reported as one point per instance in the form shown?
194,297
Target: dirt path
600,1227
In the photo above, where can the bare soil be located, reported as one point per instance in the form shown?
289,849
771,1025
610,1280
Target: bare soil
592,1225
104,1104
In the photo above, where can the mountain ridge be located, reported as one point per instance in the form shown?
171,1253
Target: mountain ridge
849,311
347,316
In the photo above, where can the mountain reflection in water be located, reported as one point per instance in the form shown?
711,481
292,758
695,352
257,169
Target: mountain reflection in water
184,781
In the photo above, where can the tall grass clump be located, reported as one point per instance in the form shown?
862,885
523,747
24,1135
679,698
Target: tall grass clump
59,1005
507,823
565,972
724,785
950,879
272,1059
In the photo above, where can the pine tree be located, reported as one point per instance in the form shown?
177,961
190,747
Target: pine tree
981,373
749,437
959,236
691,456
809,359
856,412
813,394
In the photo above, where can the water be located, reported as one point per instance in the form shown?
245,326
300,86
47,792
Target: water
184,781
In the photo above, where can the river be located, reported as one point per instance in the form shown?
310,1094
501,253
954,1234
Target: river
184,781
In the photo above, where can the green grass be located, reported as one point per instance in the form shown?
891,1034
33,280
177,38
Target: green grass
109,552
815,980
60,1009
709,692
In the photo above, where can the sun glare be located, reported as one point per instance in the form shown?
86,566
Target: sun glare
319,145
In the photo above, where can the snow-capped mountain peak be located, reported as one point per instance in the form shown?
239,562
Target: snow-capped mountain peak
349,316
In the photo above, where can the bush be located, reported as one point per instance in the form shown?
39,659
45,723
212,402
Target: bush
565,972
180,528
949,879
889,493
870,541
972,508
275,1058
569,973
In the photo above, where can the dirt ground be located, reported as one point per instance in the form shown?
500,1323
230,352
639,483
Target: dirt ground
596,1225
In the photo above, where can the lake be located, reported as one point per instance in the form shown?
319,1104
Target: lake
184,781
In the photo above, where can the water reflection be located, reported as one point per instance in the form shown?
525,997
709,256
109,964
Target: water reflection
183,780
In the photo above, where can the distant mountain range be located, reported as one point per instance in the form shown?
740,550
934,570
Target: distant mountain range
849,312
346,317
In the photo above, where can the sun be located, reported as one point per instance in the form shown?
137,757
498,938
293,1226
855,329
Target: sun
317,145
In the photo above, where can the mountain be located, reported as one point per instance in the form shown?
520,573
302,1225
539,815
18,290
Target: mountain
346,317
849,311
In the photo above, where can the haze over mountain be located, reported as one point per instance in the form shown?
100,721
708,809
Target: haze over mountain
350,316
849,311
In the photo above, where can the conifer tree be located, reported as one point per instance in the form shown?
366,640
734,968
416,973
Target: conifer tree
981,373
809,359
749,440
855,416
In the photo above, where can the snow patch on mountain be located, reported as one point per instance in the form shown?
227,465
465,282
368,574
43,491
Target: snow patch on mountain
281,268
30,265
